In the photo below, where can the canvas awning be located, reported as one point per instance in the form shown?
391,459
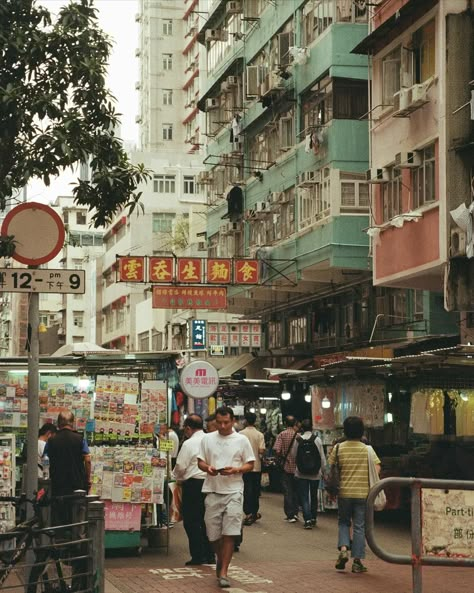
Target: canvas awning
235,365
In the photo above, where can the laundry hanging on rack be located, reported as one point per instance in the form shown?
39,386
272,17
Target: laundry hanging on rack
307,143
235,129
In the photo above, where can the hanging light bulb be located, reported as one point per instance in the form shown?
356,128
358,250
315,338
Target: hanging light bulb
326,402
307,397
263,410
285,394
252,410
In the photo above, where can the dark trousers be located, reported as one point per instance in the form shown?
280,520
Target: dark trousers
290,496
252,482
193,520
308,496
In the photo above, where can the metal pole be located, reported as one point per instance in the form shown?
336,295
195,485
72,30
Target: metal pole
31,481
416,538
96,518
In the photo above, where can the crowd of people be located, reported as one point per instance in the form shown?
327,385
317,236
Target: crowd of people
219,466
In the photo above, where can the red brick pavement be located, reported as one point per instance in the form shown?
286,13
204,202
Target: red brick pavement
285,577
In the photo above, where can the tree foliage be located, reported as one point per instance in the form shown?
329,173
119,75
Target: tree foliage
55,108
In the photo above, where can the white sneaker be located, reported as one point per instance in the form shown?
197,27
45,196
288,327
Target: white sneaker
293,520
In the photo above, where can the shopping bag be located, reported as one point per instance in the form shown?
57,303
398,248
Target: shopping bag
380,500
265,480
176,500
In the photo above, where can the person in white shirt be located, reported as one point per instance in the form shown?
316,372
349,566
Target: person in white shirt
172,436
47,431
225,456
192,478
252,479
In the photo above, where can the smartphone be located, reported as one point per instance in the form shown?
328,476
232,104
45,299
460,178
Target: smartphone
220,469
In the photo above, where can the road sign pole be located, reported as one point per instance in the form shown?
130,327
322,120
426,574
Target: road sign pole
33,400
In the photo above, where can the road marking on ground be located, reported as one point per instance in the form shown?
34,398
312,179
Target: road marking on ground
235,572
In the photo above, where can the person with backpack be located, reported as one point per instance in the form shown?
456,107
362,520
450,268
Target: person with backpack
310,459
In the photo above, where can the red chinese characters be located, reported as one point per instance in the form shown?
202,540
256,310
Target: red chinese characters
219,271
195,297
189,270
132,269
246,271
160,269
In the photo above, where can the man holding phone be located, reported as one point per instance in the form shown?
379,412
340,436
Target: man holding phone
225,456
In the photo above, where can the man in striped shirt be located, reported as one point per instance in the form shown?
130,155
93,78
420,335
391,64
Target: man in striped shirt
352,458
285,448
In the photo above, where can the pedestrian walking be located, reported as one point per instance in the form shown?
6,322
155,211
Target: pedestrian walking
187,472
225,456
252,479
286,452
310,460
47,431
352,459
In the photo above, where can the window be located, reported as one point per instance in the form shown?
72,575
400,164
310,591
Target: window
167,131
167,61
423,179
109,320
163,222
164,184
143,342
391,68
189,184
77,264
287,139
424,52
78,318
167,97
350,99
81,217
167,27
297,330
392,196
418,309
120,317
354,191
274,334
65,216
44,319
156,340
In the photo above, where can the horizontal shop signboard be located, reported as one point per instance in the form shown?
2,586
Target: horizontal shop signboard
195,297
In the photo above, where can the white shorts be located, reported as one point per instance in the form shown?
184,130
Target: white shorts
223,514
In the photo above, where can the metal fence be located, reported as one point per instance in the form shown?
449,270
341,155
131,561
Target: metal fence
417,558
65,558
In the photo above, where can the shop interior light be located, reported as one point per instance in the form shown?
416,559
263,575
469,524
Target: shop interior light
464,396
263,410
285,394
390,395
269,399
252,409
388,417
84,382
50,371
307,397
326,402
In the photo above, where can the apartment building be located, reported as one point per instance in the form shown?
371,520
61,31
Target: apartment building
422,151
287,127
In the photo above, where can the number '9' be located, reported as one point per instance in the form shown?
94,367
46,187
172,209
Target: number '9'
74,281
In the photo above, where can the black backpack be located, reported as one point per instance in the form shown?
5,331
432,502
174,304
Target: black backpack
308,458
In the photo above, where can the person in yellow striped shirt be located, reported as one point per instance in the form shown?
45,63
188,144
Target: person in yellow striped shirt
352,458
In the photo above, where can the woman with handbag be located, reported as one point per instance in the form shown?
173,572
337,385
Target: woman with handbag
351,458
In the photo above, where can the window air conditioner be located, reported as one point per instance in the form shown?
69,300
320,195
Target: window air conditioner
418,93
261,207
458,243
275,197
234,7
212,104
234,227
232,81
216,35
407,160
375,175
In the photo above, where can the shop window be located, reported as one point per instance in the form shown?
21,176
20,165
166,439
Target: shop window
189,184
423,178
164,184
163,222
167,130
167,27
392,196
167,97
167,61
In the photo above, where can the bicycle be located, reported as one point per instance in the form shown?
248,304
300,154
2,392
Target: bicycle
28,535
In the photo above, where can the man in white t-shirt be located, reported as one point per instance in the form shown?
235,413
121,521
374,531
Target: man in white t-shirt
225,456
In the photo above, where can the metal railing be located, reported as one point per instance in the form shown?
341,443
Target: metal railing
417,558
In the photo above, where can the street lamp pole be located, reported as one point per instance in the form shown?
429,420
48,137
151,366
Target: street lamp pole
33,400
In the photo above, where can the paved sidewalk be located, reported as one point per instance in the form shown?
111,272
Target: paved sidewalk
277,557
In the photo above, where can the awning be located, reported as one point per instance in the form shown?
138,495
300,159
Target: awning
235,365
394,26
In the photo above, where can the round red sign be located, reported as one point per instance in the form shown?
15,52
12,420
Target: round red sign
38,232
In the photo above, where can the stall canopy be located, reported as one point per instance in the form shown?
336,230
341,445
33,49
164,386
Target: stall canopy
79,348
